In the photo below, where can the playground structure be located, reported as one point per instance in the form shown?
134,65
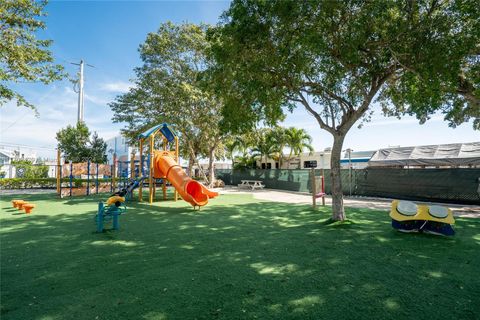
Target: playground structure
158,165
407,216
163,164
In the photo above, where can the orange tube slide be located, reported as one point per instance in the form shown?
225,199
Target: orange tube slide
190,190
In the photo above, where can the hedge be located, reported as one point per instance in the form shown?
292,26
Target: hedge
44,183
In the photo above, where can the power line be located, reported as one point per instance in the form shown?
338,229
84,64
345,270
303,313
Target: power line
8,144
15,122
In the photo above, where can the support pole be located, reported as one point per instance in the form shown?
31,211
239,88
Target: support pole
100,217
116,220
140,169
164,189
164,184
323,186
150,173
88,177
177,160
71,177
133,174
314,188
96,181
59,182
114,172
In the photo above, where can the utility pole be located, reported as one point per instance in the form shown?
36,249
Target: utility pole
80,111
350,168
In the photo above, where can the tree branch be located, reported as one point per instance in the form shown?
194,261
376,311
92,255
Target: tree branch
319,119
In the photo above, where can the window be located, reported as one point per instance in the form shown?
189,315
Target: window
269,165
310,164
277,165
263,165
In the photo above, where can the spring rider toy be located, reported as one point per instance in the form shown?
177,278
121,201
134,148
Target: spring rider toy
110,211
408,216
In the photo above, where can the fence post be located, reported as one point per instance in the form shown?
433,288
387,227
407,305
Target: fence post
96,182
114,169
111,178
61,169
314,188
88,177
71,177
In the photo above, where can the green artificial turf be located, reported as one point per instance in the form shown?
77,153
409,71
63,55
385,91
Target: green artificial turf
237,258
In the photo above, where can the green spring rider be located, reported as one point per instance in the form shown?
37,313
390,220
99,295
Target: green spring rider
110,211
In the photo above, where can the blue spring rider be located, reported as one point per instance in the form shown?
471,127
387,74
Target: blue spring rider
110,211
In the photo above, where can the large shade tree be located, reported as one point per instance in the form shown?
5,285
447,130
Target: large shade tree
335,58
169,87
24,57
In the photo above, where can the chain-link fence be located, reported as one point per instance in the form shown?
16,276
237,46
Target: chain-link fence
447,185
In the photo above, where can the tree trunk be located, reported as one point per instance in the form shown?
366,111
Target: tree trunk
191,161
338,212
211,169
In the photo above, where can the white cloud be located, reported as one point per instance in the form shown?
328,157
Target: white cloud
116,87
57,107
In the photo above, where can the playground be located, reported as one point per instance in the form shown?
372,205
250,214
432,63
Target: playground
239,160
169,261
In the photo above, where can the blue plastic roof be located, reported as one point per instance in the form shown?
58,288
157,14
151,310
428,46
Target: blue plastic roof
164,128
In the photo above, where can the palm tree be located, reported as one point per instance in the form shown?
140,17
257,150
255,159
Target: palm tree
279,139
231,147
265,145
297,140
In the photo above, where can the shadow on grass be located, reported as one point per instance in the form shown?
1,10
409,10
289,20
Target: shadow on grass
235,259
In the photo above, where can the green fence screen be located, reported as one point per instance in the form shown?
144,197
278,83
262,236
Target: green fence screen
447,185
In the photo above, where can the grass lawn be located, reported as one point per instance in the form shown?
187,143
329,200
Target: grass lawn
238,258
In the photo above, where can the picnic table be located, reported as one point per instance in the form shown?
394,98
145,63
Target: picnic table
253,184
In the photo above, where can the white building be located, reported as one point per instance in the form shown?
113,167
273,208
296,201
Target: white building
8,154
319,160
356,159
118,145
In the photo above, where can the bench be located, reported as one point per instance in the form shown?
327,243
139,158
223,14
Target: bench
252,184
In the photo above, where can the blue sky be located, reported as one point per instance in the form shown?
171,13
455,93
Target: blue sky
106,34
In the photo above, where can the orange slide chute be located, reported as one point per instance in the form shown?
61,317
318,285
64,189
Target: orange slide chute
195,193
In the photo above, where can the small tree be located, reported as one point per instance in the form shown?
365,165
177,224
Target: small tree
23,57
30,170
76,145
97,149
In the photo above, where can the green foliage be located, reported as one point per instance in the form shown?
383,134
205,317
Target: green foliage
30,171
77,146
297,140
45,183
97,149
169,87
23,57
28,183
334,57
266,143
